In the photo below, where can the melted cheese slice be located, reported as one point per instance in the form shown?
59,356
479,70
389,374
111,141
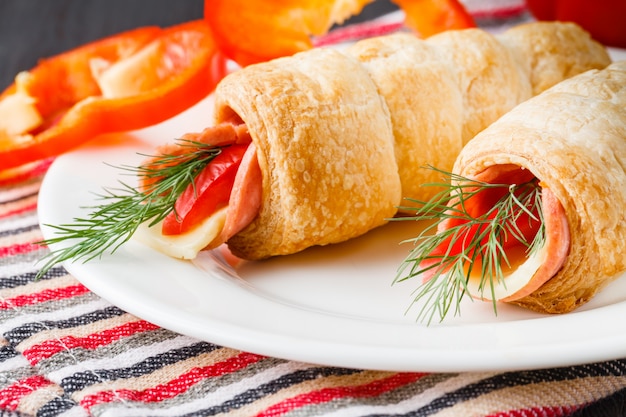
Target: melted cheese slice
186,245
513,281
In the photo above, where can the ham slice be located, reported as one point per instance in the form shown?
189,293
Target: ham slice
556,246
245,197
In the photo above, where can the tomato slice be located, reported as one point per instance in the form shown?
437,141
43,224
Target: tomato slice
209,192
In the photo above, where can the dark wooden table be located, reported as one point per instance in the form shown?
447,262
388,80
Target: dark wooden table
31,29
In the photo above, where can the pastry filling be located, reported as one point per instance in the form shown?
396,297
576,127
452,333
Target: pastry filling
518,246
222,200
508,241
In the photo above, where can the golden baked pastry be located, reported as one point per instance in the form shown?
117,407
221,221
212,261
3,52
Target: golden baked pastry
572,138
444,90
325,148
343,136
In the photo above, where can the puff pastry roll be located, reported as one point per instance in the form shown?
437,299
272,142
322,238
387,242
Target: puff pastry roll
572,138
340,137
444,90
324,144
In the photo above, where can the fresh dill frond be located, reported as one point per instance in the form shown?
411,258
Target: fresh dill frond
471,243
121,210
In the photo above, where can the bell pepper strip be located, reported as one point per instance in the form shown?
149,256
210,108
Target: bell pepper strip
124,82
217,136
479,206
251,32
428,17
457,244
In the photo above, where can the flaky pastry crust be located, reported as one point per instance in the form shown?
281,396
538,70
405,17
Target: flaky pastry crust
343,137
573,139
444,90
325,147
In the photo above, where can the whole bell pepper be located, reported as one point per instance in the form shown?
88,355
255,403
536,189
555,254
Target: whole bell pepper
605,20
255,31
127,81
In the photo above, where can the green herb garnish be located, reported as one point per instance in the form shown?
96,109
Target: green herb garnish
474,244
114,221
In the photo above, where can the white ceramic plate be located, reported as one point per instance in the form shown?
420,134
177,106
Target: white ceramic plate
332,306
617,54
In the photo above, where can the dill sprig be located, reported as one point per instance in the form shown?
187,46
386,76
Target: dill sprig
113,222
472,244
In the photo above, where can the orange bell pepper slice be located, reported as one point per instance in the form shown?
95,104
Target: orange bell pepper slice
124,82
428,17
254,31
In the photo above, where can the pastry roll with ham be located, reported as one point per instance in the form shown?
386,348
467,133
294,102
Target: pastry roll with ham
338,138
324,145
570,141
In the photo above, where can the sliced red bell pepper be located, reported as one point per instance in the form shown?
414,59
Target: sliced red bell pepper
176,68
603,19
249,32
209,192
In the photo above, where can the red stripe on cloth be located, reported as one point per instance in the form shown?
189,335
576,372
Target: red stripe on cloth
557,411
175,386
357,31
48,348
500,13
22,175
20,210
19,249
11,396
363,30
43,296
370,389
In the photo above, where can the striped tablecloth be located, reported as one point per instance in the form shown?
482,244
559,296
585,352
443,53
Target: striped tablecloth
64,351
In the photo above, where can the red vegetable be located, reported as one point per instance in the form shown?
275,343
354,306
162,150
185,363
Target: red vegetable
174,67
604,19
476,207
428,17
209,192
255,31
